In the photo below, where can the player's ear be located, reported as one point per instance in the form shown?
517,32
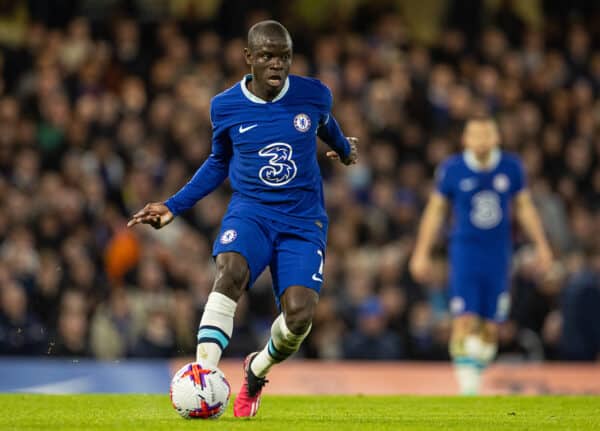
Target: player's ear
248,56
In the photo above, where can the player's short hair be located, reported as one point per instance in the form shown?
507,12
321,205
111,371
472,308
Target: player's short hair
269,29
479,117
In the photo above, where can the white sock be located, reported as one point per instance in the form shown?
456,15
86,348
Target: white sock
487,353
215,328
282,344
468,376
468,368
478,349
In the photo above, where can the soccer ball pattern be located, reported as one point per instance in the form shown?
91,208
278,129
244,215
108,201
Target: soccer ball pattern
199,392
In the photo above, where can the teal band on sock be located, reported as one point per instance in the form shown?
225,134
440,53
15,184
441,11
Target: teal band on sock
467,361
213,334
276,354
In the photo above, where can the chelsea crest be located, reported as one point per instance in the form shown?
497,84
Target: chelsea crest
302,122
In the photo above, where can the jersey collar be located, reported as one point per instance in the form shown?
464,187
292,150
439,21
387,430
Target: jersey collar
254,98
473,164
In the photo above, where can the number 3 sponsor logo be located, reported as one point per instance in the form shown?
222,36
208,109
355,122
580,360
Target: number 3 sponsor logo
486,212
281,168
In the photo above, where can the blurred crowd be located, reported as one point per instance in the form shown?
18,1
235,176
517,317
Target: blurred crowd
101,113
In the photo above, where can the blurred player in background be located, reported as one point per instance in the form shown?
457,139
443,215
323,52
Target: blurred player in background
481,186
264,140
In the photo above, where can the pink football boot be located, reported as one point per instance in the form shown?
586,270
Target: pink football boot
248,399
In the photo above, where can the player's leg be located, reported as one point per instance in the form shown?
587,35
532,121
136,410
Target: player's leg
242,252
474,342
297,269
466,326
464,350
494,309
216,325
474,352
489,341
289,329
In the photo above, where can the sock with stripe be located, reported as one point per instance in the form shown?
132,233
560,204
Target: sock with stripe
471,358
215,328
282,344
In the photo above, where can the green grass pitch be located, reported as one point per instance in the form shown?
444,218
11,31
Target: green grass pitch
284,413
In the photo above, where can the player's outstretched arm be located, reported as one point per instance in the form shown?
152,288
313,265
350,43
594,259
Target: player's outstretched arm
433,217
156,214
529,219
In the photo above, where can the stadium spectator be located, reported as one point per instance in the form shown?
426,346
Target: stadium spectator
158,339
580,340
371,339
20,331
116,326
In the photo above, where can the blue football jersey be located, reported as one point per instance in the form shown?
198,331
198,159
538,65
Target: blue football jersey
481,200
268,151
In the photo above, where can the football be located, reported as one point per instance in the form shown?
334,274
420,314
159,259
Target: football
199,392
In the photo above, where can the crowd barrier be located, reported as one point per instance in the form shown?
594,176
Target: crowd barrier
297,377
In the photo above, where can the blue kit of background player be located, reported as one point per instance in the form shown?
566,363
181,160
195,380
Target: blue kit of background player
482,187
480,242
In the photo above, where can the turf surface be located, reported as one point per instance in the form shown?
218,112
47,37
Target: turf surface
154,412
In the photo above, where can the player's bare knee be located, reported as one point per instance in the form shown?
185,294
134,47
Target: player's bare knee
298,320
462,327
489,332
232,275
459,331
299,305
465,324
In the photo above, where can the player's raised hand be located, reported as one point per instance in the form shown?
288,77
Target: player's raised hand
156,214
352,157
420,267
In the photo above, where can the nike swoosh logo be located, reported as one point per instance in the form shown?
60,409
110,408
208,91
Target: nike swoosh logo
316,278
243,129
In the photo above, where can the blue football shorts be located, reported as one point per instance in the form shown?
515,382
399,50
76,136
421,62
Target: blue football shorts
479,284
294,253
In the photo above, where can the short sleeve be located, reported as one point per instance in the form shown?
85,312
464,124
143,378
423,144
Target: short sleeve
443,181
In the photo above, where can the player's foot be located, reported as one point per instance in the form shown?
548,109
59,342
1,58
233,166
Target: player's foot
248,400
